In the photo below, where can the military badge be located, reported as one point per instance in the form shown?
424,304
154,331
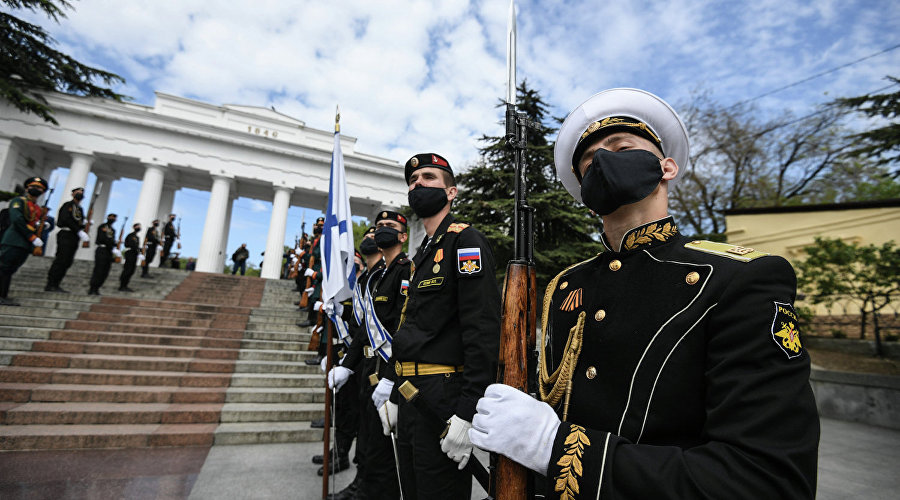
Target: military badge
784,330
469,260
573,301
404,287
439,255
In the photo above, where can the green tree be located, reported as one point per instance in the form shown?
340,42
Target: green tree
865,275
739,160
564,231
881,143
30,65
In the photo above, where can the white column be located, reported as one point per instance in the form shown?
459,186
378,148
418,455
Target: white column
226,229
99,216
148,200
8,155
210,244
78,175
277,225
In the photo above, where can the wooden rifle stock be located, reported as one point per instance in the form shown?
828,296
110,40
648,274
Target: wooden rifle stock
45,211
90,214
315,338
304,297
517,334
119,243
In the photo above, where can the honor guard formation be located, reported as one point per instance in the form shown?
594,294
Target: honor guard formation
664,368
667,367
29,224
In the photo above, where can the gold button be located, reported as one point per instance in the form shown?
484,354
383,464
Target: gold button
564,285
692,278
615,265
599,315
591,372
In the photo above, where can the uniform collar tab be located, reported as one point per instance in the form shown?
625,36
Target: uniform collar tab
646,235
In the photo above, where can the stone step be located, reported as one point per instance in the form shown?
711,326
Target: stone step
276,356
112,362
10,320
274,412
162,312
268,367
145,339
78,376
270,327
24,393
114,413
26,332
266,432
302,338
218,332
264,382
116,349
36,437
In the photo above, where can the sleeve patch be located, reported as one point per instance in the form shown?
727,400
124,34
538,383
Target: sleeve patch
784,330
468,260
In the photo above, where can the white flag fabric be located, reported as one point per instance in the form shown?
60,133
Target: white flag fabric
338,267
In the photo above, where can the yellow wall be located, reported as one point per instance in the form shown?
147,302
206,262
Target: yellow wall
786,234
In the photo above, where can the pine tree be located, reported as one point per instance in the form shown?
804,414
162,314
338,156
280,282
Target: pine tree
564,230
29,65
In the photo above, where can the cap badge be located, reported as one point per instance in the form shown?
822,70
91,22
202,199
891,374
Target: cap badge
414,162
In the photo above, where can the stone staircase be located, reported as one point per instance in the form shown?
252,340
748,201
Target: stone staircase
188,359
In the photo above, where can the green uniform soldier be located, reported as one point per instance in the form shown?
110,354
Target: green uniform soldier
669,367
21,237
71,225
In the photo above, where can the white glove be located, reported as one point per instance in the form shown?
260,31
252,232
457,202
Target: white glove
317,305
338,376
140,258
382,392
323,364
310,290
309,272
38,243
456,443
388,414
497,427
117,252
83,236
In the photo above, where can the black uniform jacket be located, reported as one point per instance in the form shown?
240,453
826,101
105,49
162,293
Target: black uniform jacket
691,381
133,242
151,237
106,235
169,231
453,310
71,216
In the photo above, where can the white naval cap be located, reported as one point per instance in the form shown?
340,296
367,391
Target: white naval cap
614,110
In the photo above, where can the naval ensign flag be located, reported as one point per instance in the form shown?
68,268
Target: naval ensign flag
338,267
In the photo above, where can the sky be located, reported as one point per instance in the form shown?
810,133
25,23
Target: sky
413,76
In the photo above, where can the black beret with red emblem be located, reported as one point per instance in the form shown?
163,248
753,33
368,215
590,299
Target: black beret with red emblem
389,215
423,160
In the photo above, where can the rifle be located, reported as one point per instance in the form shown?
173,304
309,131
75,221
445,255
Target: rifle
304,297
315,338
90,214
38,251
121,235
178,233
519,310
295,268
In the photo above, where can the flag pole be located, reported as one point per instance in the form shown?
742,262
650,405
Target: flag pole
326,456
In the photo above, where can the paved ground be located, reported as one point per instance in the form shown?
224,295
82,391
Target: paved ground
855,461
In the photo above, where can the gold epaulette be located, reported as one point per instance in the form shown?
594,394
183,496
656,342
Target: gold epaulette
736,252
456,227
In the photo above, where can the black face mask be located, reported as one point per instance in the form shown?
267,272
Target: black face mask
616,179
387,237
156,224
35,192
317,230
78,196
110,221
427,201
368,246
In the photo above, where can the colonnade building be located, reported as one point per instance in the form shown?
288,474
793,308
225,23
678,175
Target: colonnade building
231,151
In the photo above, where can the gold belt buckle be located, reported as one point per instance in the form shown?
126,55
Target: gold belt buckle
398,367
